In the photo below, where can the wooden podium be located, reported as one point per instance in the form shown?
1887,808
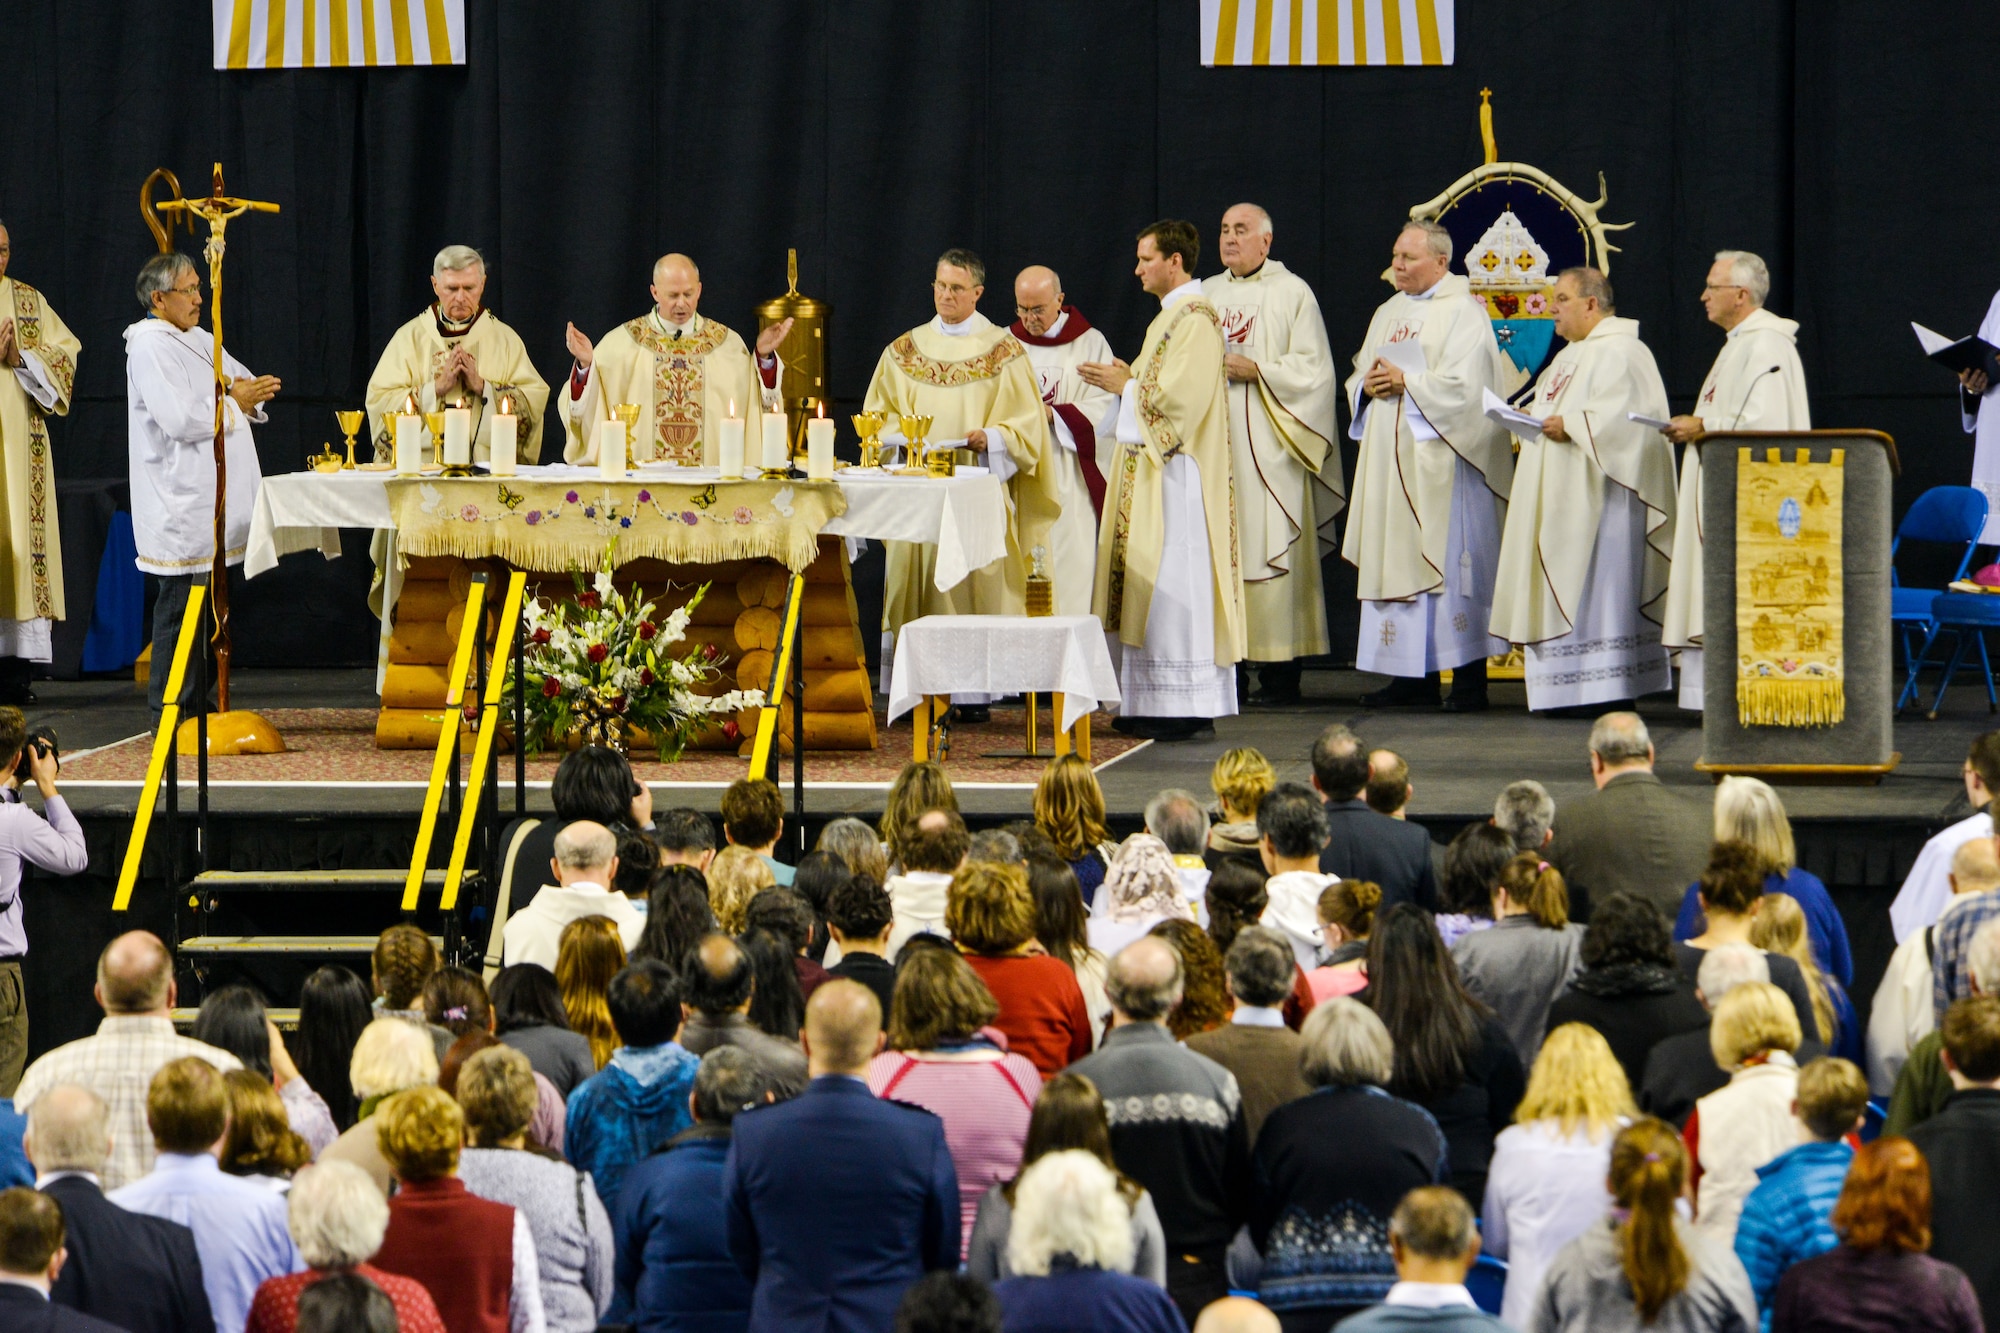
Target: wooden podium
1859,747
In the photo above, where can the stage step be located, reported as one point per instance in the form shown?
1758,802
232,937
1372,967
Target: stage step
281,881
285,944
286,1019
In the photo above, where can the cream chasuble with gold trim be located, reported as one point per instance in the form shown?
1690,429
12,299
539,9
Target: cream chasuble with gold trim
685,387
409,366
978,379
32,595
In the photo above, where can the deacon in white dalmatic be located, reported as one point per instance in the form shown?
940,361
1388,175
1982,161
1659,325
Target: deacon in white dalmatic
1169,581
170,432
1083,425
1431,480
1979,408
1590,519
686,372
1289,487
1756,383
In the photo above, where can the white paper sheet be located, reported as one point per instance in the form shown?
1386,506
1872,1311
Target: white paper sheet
1406,356
1655,422
1930,339
1499,413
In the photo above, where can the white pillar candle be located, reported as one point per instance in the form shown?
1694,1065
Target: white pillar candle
777,451
611,450
409,445
730,451
819,449
457,436
503,446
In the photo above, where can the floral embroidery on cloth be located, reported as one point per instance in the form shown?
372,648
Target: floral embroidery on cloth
679,371
952,374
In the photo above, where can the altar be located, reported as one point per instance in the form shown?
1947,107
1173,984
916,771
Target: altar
674,529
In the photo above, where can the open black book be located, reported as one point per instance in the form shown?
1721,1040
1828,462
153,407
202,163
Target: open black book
1973,353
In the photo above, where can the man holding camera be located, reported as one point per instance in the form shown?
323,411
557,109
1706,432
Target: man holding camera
52,840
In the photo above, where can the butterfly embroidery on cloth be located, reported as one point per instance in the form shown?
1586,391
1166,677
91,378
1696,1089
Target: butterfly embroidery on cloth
782,501
511,499
705,497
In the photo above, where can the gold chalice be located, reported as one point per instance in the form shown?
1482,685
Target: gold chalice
868,425
434,422
914,430
350,422
628,413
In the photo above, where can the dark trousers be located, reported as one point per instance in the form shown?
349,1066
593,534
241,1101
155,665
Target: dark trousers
13,1027
168,609
1197,1278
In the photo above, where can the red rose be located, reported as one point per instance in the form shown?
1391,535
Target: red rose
618,704
709,652
598,652
551,688
588,600
645,675
731,730
539,636
647,629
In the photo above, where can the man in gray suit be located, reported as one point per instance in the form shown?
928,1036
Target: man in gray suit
1631,833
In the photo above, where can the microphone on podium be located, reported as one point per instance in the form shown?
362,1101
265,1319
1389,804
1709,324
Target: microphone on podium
1744,406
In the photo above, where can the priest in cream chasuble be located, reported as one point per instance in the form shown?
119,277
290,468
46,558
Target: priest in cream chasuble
974,381
1590,519
686,372
1289,487
1431,479
1756,383
1082,421
39,353
457,353
1169,575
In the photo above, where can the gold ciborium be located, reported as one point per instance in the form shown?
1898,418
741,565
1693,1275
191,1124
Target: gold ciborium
914,430
868,425
326,460
434,422
350,422
628,414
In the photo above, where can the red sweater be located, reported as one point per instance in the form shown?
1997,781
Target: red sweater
1041,1009
460,1246
276,1307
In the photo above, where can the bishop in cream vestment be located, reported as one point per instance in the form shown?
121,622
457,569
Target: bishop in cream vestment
1083,427
1169,575
41,352
409,368
1590,523
1289,486
1756,383
1430,485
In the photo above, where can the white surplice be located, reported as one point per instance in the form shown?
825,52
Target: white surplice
170,432
1983,424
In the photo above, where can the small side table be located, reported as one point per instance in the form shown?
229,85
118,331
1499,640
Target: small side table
1062,656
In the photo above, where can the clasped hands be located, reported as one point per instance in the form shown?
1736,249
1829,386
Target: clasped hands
249,393
10,350
459,367
1382,380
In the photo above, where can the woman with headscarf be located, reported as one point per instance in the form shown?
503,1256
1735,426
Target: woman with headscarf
1141,889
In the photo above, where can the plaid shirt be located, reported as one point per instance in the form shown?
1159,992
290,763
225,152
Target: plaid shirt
118,1065
1951,947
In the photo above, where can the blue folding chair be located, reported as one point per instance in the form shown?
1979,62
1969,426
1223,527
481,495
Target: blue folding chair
1487,1283
1966,616
1945,514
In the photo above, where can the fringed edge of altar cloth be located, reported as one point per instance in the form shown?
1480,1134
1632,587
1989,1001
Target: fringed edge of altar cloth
1819,702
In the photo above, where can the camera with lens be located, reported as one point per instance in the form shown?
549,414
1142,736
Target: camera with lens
40,742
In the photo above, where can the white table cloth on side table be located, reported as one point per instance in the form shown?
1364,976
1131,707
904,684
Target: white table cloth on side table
937,656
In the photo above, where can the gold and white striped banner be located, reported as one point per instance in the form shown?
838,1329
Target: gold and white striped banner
1327,32
337,34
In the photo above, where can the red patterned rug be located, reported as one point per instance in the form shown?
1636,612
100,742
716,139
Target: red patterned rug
337,745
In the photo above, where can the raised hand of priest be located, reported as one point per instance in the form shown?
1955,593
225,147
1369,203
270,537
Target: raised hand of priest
579,346
1240,369
248,393
1974,380
1682,429
1552,428
768,340
1112,375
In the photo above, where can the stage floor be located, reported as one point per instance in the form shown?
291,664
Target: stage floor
1457,763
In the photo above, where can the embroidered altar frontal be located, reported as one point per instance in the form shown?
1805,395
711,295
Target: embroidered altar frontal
1790,623
567,524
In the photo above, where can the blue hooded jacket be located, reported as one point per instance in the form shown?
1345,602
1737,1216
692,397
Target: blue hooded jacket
619,1115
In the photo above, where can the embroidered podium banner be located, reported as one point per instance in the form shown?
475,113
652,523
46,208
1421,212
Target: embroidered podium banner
1327,32
1790,670
337,34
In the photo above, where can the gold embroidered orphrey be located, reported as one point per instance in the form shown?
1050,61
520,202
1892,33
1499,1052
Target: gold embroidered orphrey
679,369
28,331
1790,662
952,374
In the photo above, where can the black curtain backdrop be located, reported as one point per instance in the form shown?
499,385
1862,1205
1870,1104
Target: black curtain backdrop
1839,139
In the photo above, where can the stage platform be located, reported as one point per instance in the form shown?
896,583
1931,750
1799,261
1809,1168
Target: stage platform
342,804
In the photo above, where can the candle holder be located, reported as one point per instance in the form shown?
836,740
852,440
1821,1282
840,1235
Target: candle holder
868,425
350,423
628,414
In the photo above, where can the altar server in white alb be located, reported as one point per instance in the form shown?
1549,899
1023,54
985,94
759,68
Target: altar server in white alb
170,430
1590,519
1979,407
38,354
1430,482
1289,487
1169,583
1756,383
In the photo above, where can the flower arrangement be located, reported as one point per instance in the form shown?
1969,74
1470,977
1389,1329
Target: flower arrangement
600,667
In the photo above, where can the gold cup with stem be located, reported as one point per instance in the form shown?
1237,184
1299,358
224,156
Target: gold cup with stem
350,423
628,415
434,423
868,425
914,429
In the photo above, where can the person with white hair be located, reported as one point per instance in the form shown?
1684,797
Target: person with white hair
1924,1085
457,353
1756,383
1431,481
337,1218
687,373
1681,1069
1590,519
392,1055
1176,818
1632,833
1904,1011
1070,1246
1283,446
1525,812
584,865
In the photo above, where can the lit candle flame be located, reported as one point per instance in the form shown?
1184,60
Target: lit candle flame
506,404
822,409
409,404
732,407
